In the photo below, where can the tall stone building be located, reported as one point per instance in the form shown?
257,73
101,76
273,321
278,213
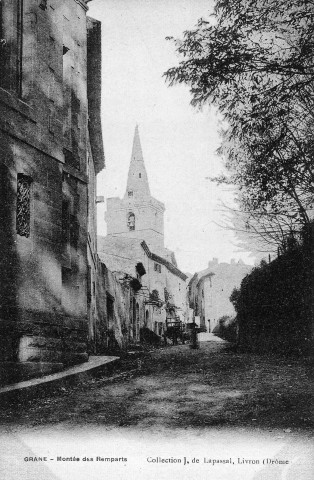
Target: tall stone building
135,236
49,104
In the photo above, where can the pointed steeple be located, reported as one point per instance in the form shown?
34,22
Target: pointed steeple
137,184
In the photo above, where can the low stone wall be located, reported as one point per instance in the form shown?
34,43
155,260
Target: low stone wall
40,345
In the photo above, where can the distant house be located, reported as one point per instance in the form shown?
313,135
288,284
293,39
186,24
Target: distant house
210,289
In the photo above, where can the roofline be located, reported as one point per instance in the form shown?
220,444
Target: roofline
202,277
163,261
206,275
83,3
192,278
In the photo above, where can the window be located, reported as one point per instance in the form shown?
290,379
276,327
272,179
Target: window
131,221
140,175
130,193
23,205
157,267
43,4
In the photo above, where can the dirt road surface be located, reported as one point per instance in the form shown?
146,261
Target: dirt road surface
177,403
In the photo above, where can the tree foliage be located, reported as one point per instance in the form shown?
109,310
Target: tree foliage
254,60
227,329
274,303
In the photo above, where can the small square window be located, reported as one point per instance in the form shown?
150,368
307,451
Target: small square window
130,194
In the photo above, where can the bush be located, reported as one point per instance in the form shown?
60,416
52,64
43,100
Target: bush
274,304
227,329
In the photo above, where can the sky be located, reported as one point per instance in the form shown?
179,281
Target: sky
179,143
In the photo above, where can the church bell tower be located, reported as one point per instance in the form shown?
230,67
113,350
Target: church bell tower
138,214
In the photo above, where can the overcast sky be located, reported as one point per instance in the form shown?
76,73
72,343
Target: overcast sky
178,142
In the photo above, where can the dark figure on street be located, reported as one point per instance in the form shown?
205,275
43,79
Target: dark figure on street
174,336
194,340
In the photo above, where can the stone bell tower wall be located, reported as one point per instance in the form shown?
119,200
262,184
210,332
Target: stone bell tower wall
148,223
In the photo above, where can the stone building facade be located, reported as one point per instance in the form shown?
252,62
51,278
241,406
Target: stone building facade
95,163
48,167
135,236
124,307
209,291
162,291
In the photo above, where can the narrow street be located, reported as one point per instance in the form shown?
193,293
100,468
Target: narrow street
135,215
190,407
176,387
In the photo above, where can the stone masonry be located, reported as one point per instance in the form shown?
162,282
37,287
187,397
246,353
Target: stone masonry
46,165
